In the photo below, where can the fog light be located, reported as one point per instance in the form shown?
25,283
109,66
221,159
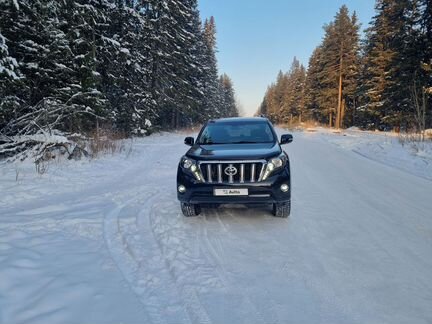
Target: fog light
284,187
181,189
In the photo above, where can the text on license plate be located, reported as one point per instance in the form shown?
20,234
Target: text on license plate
231,192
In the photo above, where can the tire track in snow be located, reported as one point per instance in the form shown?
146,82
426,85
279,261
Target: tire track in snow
265,308
223,273
172,235
179,260
150,287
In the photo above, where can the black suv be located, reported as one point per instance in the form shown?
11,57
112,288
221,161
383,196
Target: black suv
235,161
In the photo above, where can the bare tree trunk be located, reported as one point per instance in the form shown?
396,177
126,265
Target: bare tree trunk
420,105
339,109
173,119
342,115
354,111
97,128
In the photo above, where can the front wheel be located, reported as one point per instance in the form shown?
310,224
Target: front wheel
190,210
282,210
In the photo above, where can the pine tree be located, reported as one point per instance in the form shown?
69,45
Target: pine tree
124,69
29,43
339,59
313,87
212,106
8,65
426,41
75,65
228,103
293,102
284,100
392,56
352,74
9,80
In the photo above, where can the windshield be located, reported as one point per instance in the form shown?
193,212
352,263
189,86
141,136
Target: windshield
247,133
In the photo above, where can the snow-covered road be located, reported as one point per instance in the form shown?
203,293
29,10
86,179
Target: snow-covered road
105,242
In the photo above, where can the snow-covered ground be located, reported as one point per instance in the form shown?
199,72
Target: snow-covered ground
409,156
105,242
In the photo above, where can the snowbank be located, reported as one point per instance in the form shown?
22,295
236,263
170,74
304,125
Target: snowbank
386,148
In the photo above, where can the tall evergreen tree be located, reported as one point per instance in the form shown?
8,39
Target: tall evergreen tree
293,100
211,85
385,83
339,59
74,65
228,102
284,100
9,80
313,87
393,54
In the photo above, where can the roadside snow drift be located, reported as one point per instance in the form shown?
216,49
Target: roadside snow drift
105,242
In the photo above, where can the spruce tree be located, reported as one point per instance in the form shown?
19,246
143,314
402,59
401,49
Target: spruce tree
228,103
76,65
293,102
9,81
339,59
392,57
313,87
212,106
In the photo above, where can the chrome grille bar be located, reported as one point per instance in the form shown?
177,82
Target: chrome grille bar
242,170
231,176
264,166
209,173
248,171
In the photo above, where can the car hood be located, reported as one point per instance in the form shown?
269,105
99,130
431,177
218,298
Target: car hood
234,151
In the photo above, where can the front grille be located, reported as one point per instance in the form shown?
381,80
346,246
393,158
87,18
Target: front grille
232,171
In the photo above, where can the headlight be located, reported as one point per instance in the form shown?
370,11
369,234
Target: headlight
192,166
271,166
277,163
274,164
187,163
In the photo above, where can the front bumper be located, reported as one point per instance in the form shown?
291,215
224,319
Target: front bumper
265,192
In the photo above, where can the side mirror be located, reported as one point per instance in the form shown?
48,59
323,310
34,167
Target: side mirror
189,141
286,139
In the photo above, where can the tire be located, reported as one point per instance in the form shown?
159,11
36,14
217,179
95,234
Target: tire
190,210
282,210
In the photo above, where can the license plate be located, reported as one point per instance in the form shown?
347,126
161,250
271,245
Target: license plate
231,192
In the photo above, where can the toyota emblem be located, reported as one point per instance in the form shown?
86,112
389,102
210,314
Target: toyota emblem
230,171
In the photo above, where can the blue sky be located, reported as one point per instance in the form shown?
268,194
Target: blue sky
258,38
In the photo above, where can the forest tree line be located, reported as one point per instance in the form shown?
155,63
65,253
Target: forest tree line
132,65
380,81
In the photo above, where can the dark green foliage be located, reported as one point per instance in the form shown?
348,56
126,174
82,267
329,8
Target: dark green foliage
396,48
339,62
74,65
285,100
228,102
383,82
